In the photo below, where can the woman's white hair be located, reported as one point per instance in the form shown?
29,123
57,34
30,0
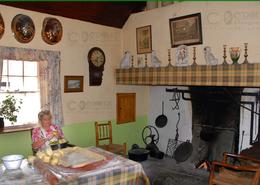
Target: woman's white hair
43,113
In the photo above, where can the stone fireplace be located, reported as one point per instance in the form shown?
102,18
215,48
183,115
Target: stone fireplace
215,122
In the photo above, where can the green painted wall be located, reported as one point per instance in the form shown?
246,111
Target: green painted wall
81,134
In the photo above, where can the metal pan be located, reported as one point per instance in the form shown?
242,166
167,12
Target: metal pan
51,30
23,28
183,151
161,120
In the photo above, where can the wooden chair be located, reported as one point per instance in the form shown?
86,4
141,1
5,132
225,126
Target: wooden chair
104,133
247,173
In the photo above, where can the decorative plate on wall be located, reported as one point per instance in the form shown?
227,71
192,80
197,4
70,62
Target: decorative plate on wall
51,30
2,26
23,28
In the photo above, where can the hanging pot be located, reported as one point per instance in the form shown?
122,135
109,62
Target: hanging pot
207,134
161,120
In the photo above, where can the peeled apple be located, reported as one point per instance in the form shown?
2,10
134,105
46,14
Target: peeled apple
56,154
30,159
54,161
40,155
46,159
49,152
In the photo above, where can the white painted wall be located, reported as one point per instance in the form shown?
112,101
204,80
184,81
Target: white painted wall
230,23
96,102
157,95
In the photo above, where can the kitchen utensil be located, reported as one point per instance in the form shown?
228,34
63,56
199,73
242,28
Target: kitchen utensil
161,120
12,162
138,154
183,151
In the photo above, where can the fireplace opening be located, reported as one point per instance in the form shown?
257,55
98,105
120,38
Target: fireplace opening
215,122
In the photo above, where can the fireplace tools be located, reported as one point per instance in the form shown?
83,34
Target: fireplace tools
176,99
180,152
173,143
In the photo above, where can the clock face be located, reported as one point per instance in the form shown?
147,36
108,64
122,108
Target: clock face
96,56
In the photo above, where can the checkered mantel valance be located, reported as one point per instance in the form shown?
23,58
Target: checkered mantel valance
236,75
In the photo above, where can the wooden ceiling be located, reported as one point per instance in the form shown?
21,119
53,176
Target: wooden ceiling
113,14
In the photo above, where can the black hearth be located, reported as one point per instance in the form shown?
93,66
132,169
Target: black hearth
215,122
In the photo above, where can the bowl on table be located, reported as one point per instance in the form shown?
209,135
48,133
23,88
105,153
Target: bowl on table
55,146
64,145
12,162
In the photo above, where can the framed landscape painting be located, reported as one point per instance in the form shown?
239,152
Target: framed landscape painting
186,30
73,83
144,39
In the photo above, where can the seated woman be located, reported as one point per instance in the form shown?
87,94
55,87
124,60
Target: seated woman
47,133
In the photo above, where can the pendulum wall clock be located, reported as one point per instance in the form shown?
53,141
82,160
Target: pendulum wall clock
96,60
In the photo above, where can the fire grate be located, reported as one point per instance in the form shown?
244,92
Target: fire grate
172,146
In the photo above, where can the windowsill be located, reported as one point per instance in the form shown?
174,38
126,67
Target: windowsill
18,128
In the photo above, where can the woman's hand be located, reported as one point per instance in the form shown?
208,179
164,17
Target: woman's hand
38,144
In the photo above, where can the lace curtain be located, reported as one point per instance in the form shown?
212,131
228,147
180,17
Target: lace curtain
49,76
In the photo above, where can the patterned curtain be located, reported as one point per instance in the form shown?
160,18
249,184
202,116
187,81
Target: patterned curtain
49,72
1,70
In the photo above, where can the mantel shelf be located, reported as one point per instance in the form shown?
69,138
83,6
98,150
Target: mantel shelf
236,75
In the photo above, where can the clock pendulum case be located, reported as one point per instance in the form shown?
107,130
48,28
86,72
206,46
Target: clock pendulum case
96,60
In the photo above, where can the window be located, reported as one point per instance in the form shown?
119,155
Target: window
20,79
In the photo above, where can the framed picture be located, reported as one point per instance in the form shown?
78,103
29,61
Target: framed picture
186,30
73,83
144,39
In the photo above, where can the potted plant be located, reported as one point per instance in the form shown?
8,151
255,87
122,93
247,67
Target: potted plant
8,107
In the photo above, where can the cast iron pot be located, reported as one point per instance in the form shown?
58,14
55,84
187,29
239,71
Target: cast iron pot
161,120
138,154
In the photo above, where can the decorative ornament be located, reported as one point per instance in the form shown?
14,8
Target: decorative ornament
234,54
2,26
182,55
245,55
126,60
155,60
51,30
225,54
209,57
194,56
23,28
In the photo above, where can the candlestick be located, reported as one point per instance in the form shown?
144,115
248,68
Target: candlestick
225,54
169,57
145,60
245,55
132,61
194,56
